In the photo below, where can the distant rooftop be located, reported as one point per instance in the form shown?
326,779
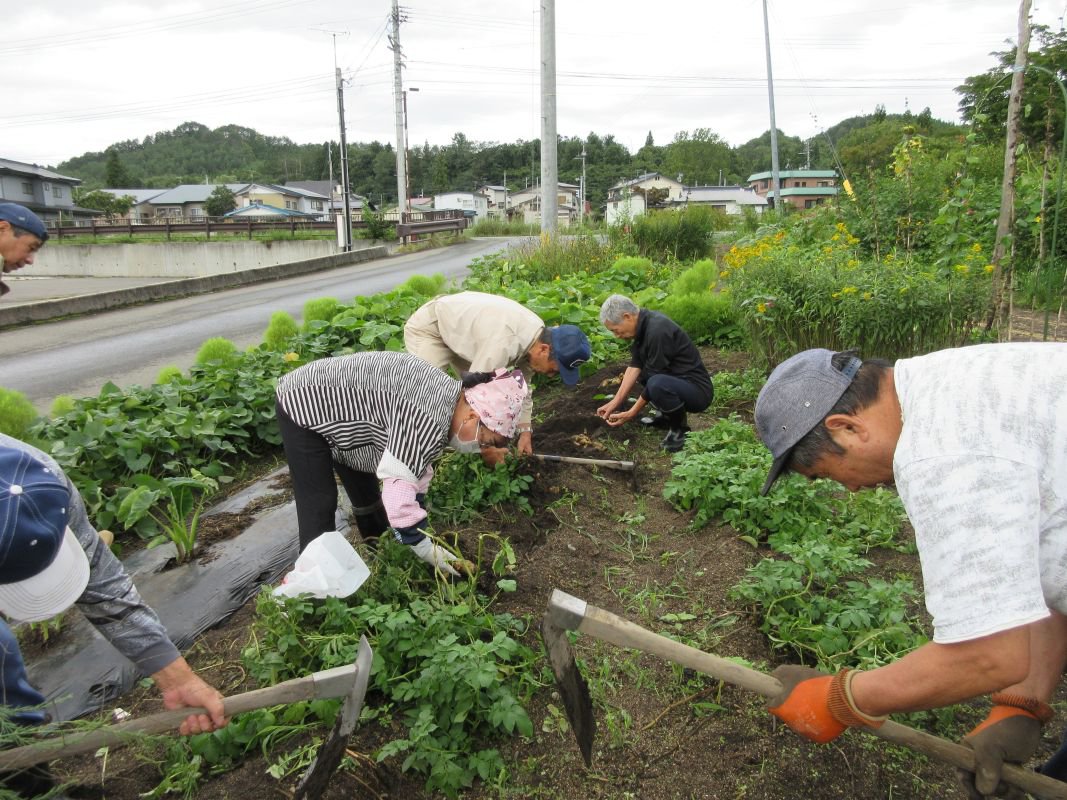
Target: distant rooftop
22,168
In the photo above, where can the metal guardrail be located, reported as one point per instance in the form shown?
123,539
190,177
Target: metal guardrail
413,223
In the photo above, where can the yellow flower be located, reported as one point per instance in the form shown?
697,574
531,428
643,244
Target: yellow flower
836,295
852,239
849,290
836,237
828,249
761,308
852,263
976,248
962,269
291,357
724,274
988,268
557,277
867,295
1037,218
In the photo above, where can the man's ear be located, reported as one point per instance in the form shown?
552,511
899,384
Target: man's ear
847,424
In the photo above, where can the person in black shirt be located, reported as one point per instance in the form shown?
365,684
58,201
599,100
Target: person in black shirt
664,360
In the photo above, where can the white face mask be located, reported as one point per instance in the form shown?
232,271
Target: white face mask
463,446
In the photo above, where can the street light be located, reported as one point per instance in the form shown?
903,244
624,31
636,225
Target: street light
406,206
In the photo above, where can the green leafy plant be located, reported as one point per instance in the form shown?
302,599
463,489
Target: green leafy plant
168,374
179,518
318,310
217,351
280,330
17,413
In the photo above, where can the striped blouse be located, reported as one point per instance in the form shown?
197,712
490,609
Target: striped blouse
386,413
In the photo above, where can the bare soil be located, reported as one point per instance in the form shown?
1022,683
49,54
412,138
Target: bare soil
607,537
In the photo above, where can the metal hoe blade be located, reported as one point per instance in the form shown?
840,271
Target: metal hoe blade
572,686
313,784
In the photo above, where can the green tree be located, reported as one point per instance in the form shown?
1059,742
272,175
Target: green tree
220,202
115,175
100,200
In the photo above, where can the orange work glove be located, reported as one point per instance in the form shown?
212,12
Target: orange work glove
818,706
1010,734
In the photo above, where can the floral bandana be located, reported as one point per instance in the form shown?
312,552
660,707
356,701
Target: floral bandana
498,402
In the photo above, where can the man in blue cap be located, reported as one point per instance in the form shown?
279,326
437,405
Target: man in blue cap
479,332
51,558
22,234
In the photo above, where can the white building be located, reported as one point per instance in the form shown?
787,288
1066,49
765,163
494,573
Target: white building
728,199
626,199
464,201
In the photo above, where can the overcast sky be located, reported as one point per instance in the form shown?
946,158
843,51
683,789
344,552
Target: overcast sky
83,75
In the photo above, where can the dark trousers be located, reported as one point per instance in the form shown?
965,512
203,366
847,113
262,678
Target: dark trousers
1056,766
312,469
671,394
16,688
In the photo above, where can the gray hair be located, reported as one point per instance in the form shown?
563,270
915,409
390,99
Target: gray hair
614,307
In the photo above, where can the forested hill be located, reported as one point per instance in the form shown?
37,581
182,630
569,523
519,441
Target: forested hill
194,153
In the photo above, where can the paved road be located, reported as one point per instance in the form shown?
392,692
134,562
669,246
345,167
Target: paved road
129,346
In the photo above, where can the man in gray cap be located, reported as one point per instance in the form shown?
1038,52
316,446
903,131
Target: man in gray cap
975,441
22,234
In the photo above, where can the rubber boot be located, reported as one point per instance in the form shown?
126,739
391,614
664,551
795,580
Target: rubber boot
674,441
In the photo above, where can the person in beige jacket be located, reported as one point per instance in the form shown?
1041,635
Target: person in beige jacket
480,332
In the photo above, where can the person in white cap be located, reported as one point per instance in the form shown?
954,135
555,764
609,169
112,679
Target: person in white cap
975,441
22,234
51,558
385,416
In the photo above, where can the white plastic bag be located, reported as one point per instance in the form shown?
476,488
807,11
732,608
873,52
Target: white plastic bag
328,567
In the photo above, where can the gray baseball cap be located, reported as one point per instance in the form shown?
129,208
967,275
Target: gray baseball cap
801,391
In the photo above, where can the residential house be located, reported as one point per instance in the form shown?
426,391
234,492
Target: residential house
525,204
801,188
728,199
333,193
185,203
45,192
627,199
141,210
311,202
474,205
258,209
497,197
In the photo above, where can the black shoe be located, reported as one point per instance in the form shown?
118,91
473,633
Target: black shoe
674,441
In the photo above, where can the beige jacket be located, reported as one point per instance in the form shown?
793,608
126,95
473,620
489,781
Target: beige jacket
475,332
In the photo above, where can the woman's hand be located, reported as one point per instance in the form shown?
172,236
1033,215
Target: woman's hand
620,418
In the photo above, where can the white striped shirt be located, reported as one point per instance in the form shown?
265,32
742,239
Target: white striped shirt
386,413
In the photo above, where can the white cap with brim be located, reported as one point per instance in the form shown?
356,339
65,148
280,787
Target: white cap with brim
51,592
43,568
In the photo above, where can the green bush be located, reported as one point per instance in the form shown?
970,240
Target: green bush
281,329
217,350
499,227
168,374
679,235
424,285
700,277
632,262
708,318
16,413
63,404
320,309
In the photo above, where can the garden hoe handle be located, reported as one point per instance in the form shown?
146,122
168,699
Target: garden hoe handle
323,685
569,613
610,463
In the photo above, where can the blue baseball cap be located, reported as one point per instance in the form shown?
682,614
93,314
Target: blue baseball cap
22,217
43,568
570,348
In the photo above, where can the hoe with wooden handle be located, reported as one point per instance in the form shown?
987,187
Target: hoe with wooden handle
328,684
609,463
567,613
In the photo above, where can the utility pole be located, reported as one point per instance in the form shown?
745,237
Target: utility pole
505,195
407,165
581,190
776,183
346,238
549,167
398,105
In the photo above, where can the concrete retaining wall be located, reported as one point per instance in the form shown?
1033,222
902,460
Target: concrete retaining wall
178,259
164,290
